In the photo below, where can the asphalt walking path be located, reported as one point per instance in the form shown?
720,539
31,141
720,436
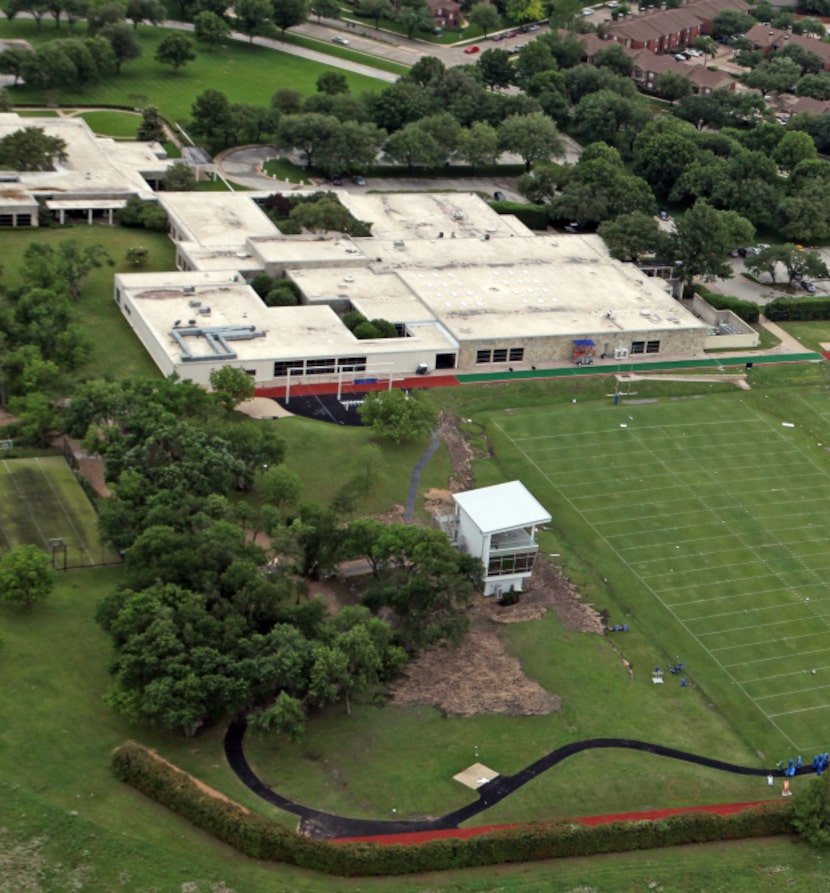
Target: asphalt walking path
415,480
326,826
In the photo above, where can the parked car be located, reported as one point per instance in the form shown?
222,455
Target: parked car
808,286
613,4
499,196
470,50
588,11
358,180
335,180
341,40
572,227
681,57
533,27
497,37
663,214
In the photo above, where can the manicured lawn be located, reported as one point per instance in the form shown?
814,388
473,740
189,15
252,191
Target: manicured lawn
244,73
115,124
116,350
284,169
810,334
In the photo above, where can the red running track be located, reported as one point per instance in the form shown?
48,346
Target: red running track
413,383
652,815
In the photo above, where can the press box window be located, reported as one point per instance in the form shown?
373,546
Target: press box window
483,356
282,368
500,356
517,354
652,347
638,347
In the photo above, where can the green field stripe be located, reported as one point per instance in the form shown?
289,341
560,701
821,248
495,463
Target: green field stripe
711,364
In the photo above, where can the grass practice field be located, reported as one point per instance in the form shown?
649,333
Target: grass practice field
708,517
40,500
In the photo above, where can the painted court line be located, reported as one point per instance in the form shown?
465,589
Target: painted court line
59,498
25,503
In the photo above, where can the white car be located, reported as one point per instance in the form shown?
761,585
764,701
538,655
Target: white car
613,4
588,11
344,41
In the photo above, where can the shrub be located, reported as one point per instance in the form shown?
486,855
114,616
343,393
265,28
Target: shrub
798,309
255,836
532,216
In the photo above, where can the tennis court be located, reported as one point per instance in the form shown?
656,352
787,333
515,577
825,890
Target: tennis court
718,509
40,501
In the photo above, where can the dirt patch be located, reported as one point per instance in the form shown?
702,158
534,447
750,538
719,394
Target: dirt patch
211,792
477,677
6,418
90,467
460,452
548,588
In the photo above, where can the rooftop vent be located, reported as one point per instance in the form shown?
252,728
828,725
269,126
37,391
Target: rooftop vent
204,311
189,290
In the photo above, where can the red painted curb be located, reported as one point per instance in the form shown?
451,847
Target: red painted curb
652,815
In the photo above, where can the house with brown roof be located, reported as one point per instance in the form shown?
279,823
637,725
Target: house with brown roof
769,39
663,30
446,13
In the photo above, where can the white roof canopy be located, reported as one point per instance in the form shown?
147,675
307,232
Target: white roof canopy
502,507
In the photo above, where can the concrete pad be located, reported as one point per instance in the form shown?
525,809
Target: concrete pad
475,776
263,408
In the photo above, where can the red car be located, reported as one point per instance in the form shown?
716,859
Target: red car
470,50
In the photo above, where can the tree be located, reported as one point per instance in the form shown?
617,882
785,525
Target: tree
139,11
811,812
795,147
253,17
325,215
152,126
776,74
616,59
332,83
210,29
630,236
179,177
279,486
175,50
99,17
288,13
534,137
703,239
285,716
125,44
377,10
137,256
232,386
209,114
672,86
67,265
329,9
798,263
25,576
478,145
663,150
31,149
496,68
398,415
13,61
415,18
729,23
308,133
485,17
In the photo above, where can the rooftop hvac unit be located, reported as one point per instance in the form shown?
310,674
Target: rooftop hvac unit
189,290
194,303
204,311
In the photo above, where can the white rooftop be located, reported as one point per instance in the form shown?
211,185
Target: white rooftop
94,164
223,220
502,507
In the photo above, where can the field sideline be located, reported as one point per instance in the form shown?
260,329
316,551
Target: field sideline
718,510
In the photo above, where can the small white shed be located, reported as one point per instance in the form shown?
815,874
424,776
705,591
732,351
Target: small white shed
498,525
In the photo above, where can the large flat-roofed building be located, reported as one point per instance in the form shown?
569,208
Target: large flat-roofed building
96,179
464,287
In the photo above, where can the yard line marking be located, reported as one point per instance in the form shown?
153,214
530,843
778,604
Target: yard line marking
768,642
801,710
707,617
800,672
735,629
764,660
794,691
66,514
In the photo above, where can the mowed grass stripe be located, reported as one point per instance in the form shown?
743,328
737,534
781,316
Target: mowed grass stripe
41,500
706,506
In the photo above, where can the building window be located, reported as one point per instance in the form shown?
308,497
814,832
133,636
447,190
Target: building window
6,220
513,563
483,356
500,355
653,347
281,368
320,367
638,347
24,219
352,364
517,354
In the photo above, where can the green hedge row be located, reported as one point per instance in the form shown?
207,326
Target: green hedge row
798,308
255,836
532,216
748,311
